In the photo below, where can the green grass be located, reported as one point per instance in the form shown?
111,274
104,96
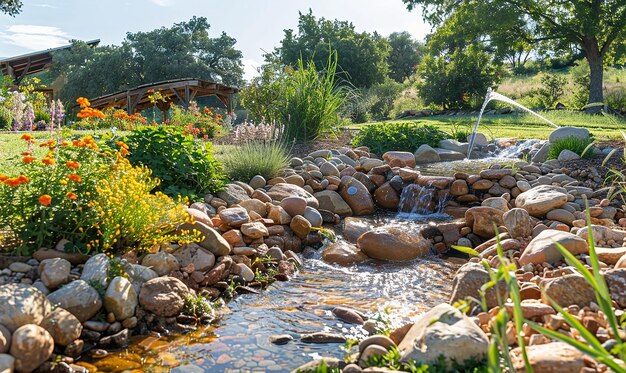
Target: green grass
526,126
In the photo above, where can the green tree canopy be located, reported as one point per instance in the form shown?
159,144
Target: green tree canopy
404,56
594,26
10,7
183,51
362,56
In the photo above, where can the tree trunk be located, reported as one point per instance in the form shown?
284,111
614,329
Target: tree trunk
596,77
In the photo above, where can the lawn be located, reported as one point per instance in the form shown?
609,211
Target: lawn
525,126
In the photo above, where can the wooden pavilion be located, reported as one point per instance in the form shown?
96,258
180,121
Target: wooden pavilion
175,91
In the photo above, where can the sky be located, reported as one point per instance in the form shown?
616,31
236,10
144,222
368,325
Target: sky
256,24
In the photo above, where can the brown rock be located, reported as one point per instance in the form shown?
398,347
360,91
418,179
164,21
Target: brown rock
555,357
391,243
343,253
300,226
163,296
484,220
543,248
387,197
31,345
281,191
568,290
459,188
399,159
356,195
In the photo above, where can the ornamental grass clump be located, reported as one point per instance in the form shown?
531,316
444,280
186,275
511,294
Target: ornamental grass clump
244,161
578,146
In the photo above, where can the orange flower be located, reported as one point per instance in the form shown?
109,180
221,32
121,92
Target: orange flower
23,179
15,181
121,144
28,159
74,177
71,196
45,200
83,102
48,161
26,153
72,164
124,151
150,91
3,177
26,137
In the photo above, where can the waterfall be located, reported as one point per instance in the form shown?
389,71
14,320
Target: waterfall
422,200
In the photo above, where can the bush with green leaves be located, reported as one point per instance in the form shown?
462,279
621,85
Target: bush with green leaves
252,158
551,89
403,136
185,166
453,80
578,146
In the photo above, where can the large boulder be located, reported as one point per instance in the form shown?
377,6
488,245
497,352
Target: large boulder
426,154
356,196
22,304
54,272
31,345
444,331
120,298
79,298
454,145
482,219
331,201
96,270
387,197
564,132
541,199
163,296
391,243
518,223
343,253
543,247
211,240
281,191
568,290
64,327
399,159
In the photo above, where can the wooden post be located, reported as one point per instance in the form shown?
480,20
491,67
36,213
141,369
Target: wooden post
187,96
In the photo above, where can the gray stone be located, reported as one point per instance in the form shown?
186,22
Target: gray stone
54,272
567,155
79,298
96,269
257,182
454,145
313,216
233,194
564,132
64,327
281,191
449,155
31,345
426,154
21,304
162,263
331,201
542,155
138,274
518,223
120,299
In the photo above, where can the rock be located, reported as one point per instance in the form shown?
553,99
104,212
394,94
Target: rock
602,233
79,298
353,228
387,197
541,199
294,205
616,282
495,173
371,351
163,296
300,226
95,270
323,337
426,154
567,290
497,203
532,309
391,243
211,241
356,195
449,155
202,259
54,272
329,169
467,282
482,184
233,194
378,340
31,345
399,159
295,180
369,163
482,219
543,248
280,339
523,185
609,255
21,304
5,340
312,366
343,253
245,272
64,327
444,331
281,191
257,182
74,258
138,274
348,315
20,267
564,132
550,358
479,139
200,216
234,217
459,188
567,155
313,216
331,201
518,223
7,363
162,263
255,205
454,145
120,299
254,230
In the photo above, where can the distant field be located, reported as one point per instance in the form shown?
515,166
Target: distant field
526,126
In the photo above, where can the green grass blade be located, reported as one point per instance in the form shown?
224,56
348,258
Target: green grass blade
466,250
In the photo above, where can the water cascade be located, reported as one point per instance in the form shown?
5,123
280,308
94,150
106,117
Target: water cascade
422,200
492,95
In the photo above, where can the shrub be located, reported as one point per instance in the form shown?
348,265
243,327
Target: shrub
580,77
6,118
551,89
405,136
94,119
451,81
251,158
205,123
185,166
572,143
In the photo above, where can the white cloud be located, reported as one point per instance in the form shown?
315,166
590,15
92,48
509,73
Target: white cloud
250,68
35,37
163,2
45,6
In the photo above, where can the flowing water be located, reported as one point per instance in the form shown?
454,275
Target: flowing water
238,341
493,95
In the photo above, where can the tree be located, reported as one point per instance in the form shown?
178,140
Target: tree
593,25
404,56
183,51
362,56
10,7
